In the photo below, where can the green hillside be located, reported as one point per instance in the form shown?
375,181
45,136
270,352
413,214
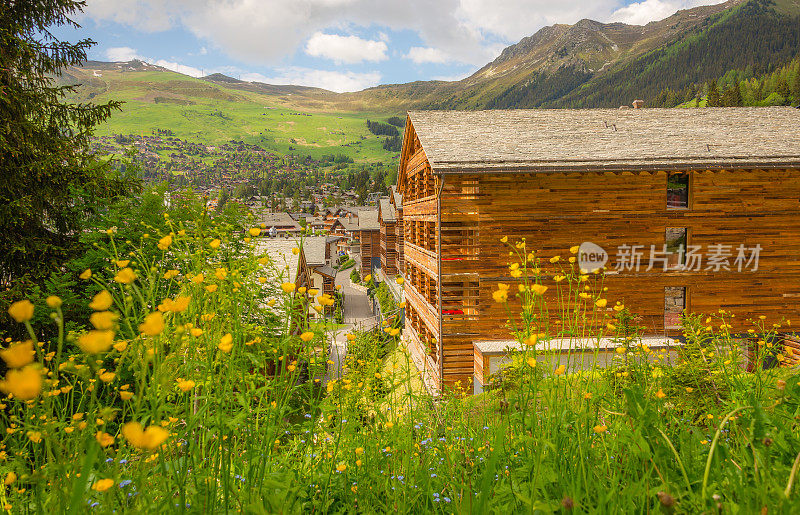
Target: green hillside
212,113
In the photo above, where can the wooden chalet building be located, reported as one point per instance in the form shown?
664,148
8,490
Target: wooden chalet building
368,235
387,219
715,179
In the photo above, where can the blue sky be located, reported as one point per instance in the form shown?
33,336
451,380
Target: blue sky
341,45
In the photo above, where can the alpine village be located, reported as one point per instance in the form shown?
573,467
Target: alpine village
305,273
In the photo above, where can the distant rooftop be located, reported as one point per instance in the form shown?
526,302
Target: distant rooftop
368,220
387,210
609,139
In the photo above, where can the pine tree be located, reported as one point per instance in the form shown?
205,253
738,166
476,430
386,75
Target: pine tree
796,84
50,181
713,94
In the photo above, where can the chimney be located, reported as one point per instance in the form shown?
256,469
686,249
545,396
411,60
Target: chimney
638,104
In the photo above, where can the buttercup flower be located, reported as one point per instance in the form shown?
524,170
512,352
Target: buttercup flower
103,320
148,439
226,343
254,231
95,342
102,301
18,355
165,242
307,336
102,485
214,243
24,384
560,370
21,311
531,362
53,302
288,287
86,274
153,324
186,385
104,439
539,289
601,303
125,276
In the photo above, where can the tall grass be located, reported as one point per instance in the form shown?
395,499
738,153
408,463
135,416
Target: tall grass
236,414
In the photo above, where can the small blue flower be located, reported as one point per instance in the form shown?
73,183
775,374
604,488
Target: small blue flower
124,483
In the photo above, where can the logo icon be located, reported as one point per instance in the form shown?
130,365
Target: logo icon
591,257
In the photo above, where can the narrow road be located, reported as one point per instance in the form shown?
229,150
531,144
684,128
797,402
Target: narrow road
357,315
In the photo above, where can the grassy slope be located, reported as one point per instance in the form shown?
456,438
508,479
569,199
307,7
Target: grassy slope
210,113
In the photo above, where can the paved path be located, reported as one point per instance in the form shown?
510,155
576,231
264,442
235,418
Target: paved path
357,314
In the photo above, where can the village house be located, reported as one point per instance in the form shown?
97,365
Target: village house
369,240
279,224
391,233
694,209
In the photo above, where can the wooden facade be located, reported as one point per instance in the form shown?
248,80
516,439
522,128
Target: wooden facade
387,218
455,215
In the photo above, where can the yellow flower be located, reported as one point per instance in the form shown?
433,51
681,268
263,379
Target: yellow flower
307,336
288,287
516,273
587,396
351,337
21,311
560,370
555,259
532,362
313,292
199,278
186,385
153,324
196,332
126,396
394,332
10,479
254,231
121,346
24,384
601,303
125,276
86,274
95,342
104,439
359,451
600,429
214,244
341,467
619,307
500,296
226,343
122,263
165,242
171,274
107,377
221,273
504,239
53,301
180,304
148,439
103,320
211,288
531,340
271,302
34,436
19,355
399,280
575,249
689,389
660,394
102,485
368,278
262,280
539,288
559,278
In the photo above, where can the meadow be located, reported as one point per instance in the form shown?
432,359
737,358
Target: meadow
211,113
195,381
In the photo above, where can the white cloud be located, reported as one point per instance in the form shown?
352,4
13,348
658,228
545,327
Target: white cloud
339,82
176,67
270,32
122,53
426,55
346,49
642,13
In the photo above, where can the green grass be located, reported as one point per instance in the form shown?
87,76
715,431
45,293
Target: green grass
205,112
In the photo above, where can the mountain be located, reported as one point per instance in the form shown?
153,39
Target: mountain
588,64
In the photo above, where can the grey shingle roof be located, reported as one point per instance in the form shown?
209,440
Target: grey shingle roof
314,250
368,220
387,210
609,139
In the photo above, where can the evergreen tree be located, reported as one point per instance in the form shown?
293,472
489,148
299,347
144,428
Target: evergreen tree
50,181
713,94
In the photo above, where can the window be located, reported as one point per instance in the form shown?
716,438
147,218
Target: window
674,305
678,191
676,239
